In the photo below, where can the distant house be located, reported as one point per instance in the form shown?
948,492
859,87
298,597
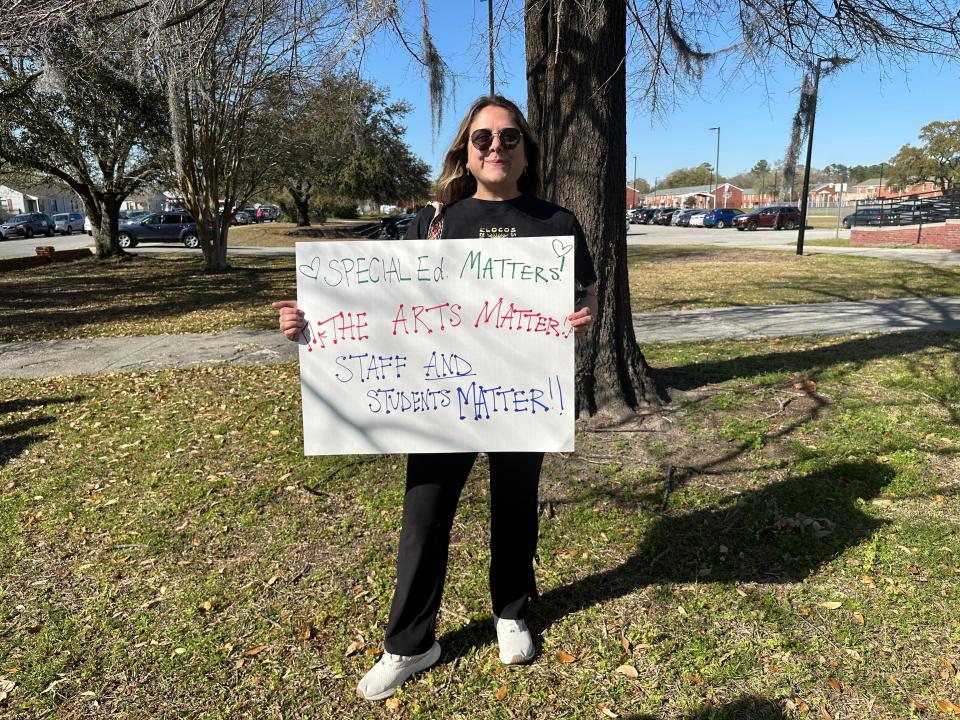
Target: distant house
45,197
149,199
698,196
871,189
828,194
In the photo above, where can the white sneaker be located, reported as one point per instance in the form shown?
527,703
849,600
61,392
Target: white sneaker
516,642
391,671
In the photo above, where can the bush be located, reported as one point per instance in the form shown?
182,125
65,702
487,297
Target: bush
337,210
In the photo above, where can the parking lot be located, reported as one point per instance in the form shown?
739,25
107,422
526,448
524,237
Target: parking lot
673,235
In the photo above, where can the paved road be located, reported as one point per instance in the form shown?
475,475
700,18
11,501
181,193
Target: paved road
21,247
638,235
246,347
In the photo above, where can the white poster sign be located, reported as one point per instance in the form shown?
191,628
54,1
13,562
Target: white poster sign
437,345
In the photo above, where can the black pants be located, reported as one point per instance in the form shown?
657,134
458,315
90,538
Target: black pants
434,483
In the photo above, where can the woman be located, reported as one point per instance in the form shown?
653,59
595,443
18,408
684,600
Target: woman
488,188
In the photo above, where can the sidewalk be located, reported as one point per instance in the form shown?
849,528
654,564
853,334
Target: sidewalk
251,347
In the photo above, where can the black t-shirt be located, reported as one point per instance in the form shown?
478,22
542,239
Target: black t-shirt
523,216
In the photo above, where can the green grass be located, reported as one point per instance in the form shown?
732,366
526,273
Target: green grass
156,294
789,545
666,278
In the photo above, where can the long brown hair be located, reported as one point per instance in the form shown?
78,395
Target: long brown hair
455,183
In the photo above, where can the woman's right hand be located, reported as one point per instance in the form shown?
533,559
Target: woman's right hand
291,319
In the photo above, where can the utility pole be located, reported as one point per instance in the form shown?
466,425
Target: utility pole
716,169
636,199
806,170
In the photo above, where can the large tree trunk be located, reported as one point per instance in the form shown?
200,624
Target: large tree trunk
104,215
213,240
576,97
300,193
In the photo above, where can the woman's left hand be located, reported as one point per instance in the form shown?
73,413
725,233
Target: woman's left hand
580,320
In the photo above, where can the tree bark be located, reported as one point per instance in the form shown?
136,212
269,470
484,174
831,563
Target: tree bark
576,97
105,220
301,201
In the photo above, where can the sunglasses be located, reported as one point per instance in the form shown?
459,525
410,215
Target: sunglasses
483,139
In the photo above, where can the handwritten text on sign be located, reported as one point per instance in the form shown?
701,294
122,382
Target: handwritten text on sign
437,345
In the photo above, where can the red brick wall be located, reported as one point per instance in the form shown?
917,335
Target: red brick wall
941,234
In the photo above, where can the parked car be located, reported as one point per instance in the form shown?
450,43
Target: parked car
87,226
395,227
243,217
664,216
721,217
696,220
682,218
66,223
633,214
646,215
159,227
869,216
778,217
27,225
915,211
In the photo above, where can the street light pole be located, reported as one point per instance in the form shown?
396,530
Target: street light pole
716,168
635,197
880,189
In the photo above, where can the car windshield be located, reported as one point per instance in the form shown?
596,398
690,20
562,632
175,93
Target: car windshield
61,216
20,218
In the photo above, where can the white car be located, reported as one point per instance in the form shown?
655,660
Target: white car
696,220
87,227
66,223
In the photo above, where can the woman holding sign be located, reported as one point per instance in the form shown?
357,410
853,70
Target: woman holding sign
489,187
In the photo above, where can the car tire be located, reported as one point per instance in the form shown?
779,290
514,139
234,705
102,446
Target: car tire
191,240
28,233
752,225
720,224
789,225
125,240
51,231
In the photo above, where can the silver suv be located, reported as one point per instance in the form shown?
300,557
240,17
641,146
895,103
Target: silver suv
27,225
66,223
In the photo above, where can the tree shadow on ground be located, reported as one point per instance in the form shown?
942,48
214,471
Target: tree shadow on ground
782,533
855,352
17,435
85,293
746,708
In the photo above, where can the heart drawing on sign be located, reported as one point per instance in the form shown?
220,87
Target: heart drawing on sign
311,270
560,249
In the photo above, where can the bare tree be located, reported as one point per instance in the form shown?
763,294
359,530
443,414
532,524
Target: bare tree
220,68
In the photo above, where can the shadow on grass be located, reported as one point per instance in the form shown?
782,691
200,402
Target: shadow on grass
146,288
16,435
770,536
746,708
857,352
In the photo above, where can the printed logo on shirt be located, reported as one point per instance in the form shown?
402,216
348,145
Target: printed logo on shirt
497,232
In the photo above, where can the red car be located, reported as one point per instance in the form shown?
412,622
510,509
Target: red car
785,217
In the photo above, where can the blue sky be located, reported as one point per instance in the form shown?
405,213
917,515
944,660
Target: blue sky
864,115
